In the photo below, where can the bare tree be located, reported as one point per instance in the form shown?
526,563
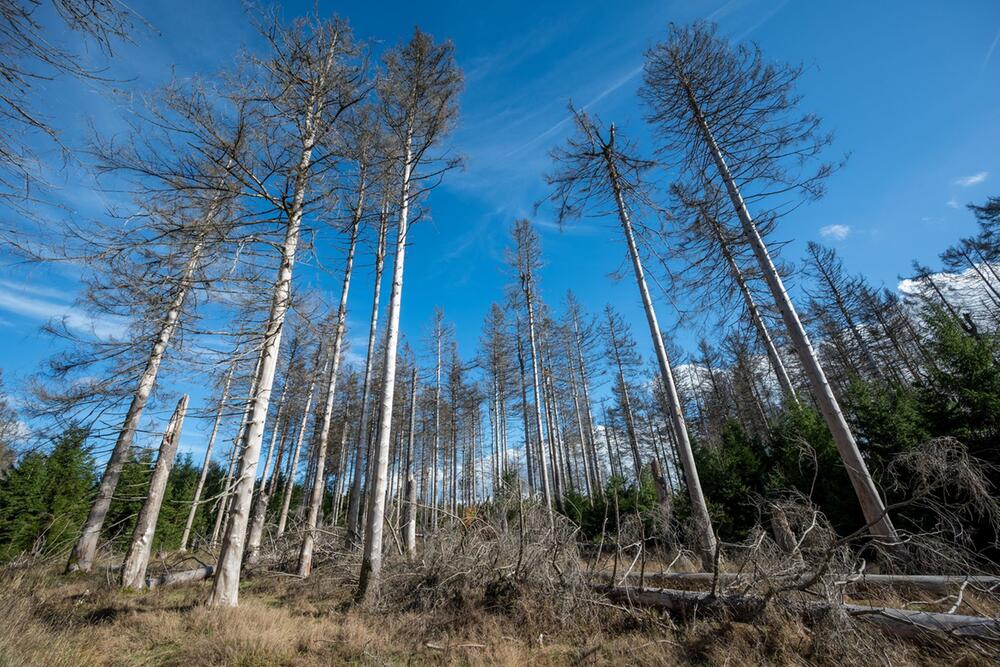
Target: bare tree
133,573
312,78
363,147
595,168
721,107
418,95
526,259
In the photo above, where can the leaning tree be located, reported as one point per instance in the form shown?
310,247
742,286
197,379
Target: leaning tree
720,109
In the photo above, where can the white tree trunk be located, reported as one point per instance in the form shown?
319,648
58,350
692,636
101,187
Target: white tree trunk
371,565
323,439
354,500
411,485
436,443
133,573
82,557
536,383
699,508
226,586
868,495
208,460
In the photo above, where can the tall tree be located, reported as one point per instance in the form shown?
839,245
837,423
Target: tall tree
718,106
309,79
418,95
525,259
595,169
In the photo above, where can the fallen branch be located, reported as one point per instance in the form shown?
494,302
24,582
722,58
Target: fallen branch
898,622
923,581
183,577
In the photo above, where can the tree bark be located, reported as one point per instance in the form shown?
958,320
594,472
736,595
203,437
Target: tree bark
699,508
208,460
184,577
871,503
133,573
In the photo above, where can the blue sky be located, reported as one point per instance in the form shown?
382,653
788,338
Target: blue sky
910,89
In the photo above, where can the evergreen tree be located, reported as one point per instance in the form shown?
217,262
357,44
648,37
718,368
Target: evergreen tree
45,497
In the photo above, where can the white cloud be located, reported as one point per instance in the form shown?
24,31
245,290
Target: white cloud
28,304
835,232
975,179
952,203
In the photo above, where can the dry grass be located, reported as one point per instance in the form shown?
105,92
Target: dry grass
488,591
51,619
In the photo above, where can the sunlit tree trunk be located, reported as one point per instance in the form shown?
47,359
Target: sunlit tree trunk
871,503
133,573
226,584
371,565
699,508
186,535
82,556
319,478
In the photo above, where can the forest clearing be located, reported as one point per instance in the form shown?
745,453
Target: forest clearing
298,397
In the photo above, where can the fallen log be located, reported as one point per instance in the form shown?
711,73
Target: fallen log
898,622
930,582
182,577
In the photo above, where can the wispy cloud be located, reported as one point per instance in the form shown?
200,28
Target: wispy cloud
989,51
41,304
975,179
612,87
835,232
952,203
761,20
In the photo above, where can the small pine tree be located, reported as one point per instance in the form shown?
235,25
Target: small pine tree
45,497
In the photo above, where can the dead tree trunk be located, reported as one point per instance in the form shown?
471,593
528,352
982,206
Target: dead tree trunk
133,573
186,535
371,565
871,503
354,500
319,479
411,487
699,508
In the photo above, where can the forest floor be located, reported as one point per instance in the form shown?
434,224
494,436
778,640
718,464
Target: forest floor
81,620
